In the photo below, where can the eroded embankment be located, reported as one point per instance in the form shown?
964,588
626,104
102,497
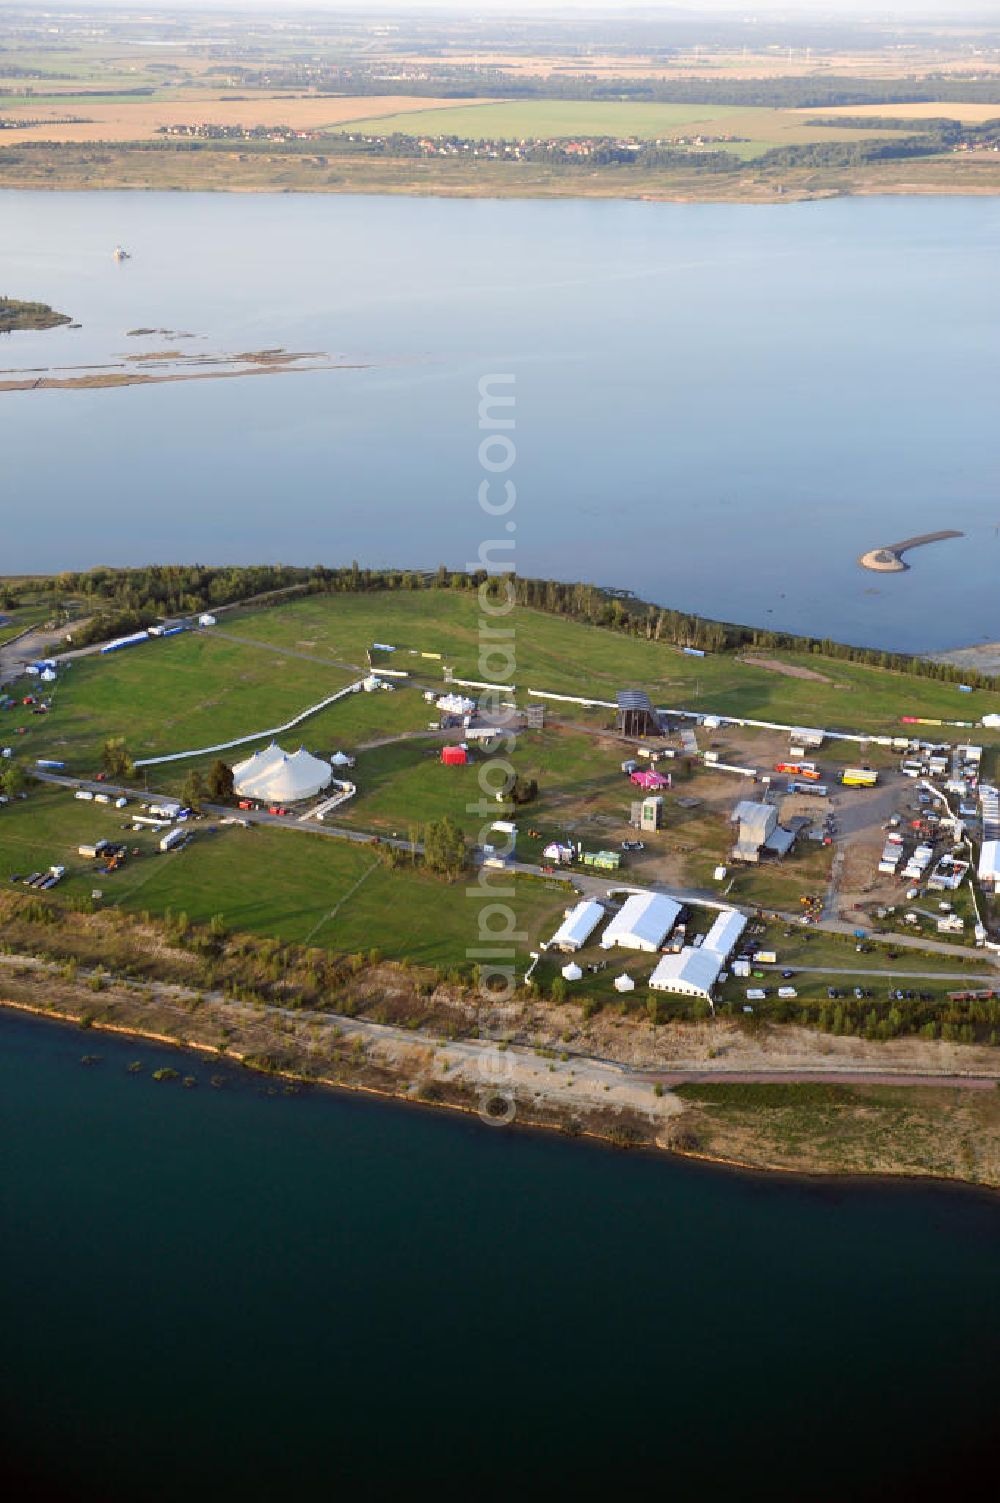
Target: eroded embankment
814,1127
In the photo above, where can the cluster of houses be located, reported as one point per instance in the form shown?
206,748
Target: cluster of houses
530,148
210,130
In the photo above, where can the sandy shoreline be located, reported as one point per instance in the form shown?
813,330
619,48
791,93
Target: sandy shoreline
661,1122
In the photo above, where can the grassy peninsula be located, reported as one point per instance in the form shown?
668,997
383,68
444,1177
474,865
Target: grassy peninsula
15,314
347,952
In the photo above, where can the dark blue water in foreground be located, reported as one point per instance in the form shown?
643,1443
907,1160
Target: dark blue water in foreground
719,406
220,1293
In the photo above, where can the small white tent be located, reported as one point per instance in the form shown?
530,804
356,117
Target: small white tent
571,972
456,704
624,983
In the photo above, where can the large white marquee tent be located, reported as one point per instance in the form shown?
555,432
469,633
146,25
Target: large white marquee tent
279,777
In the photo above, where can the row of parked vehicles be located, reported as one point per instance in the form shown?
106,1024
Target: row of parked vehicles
41,881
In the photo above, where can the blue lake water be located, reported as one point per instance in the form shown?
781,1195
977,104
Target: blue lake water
719,406
225,1293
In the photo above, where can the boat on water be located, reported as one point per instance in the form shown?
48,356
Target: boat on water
121,254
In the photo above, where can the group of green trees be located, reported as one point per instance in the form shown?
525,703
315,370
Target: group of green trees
13,778
935,1018
523,790
214,786
448,81
116,760
15,314
444,847
117,601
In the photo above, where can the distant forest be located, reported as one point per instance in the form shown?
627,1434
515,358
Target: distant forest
124,600
781,93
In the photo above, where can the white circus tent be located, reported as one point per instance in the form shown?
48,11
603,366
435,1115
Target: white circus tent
279,777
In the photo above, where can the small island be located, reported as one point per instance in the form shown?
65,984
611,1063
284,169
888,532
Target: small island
20,315
889,560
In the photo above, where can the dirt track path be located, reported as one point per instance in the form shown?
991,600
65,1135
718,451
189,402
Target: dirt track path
40,642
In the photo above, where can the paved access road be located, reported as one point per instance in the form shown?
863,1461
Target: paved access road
850,970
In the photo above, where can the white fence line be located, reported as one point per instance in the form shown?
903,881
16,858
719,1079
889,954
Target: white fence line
277,730
571,699
475,683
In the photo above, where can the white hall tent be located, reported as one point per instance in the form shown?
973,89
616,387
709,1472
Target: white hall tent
278,777
642,923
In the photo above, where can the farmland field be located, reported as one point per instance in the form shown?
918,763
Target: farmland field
761,128
934,109
121,118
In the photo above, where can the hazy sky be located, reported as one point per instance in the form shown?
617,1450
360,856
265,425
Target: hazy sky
941,11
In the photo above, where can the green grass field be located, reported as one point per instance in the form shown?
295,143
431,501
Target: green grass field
512,120
301,887
46,830
24,616
196,690
170,695
406,782
564,656
549,119
319,891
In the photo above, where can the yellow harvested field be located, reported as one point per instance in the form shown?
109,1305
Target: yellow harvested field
795,62
138,119
932,109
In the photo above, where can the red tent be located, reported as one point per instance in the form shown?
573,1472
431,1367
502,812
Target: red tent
454,756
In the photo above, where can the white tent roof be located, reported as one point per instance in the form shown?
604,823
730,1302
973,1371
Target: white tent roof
456,704
624,983
724,934
258,762
989,861
756,821
642,923
341,759
572,972
577,926
277,777
690,973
